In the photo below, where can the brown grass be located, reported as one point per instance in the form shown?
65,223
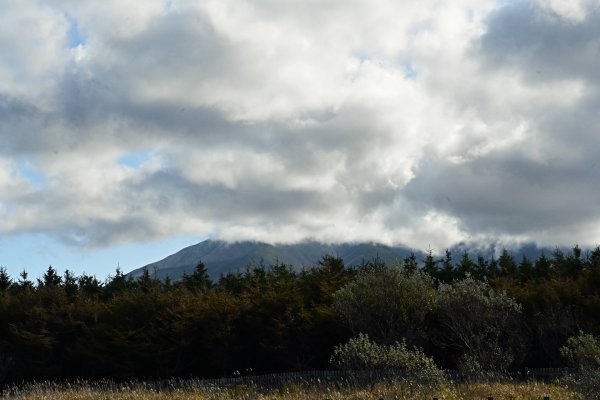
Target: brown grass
400,391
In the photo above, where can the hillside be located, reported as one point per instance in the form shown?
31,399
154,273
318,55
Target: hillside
222,257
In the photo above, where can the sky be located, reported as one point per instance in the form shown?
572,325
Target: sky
129,130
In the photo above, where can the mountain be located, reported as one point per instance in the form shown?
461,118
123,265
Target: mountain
223,257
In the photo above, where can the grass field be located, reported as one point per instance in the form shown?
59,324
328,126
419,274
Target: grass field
400,391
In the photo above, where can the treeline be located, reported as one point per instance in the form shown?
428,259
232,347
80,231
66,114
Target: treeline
469,312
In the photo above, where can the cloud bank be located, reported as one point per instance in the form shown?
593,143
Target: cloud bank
417,122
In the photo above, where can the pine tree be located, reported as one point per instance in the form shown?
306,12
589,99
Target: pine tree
118,283
593,259
50,278
24,282
446,273
542,267
525,269
465,267
481,268
199,281
493,271
70,284
410,262
89,285
559,262
5,281
507,265
574,262
430,265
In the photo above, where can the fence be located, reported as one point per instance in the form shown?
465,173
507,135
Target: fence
324,378
347,378
545,373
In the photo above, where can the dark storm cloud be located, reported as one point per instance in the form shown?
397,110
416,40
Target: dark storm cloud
543,47
505,194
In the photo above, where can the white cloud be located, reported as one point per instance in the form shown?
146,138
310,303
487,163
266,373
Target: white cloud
420,122
573,11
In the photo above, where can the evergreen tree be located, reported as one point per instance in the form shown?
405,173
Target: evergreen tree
145,282
430,265
118,284
542,267
89,285
493,271
50,278
329,276
24,282
446,273
593,259
507,265
332,263
5,280
232,282
70,284
574,263
481,268
559,262
465,267
410,262
525,269
199,281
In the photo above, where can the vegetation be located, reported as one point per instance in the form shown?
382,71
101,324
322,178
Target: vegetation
482,325
396,361
402,390
583,353
387,302
475,314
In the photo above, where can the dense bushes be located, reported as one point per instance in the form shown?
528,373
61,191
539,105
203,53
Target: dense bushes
483,325
387,302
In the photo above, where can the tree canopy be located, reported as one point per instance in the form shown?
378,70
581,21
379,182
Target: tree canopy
461,311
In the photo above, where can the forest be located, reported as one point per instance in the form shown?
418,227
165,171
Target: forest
464,312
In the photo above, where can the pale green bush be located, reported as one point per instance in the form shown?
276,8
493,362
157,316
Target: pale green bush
362,354
582,352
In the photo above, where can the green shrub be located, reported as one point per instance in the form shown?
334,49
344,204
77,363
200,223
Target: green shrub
482,324
387,302
582,352
362,354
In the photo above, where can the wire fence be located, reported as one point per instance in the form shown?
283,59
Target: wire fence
351,378
313,378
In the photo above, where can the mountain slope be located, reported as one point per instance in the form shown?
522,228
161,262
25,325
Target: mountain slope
222,257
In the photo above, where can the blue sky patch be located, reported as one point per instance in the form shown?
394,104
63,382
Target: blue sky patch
135,159
35,252
74,35
25,169
409,71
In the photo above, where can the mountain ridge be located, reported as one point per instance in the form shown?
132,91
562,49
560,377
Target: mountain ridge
222,257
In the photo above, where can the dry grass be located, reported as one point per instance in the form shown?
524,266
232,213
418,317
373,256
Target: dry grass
400,391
